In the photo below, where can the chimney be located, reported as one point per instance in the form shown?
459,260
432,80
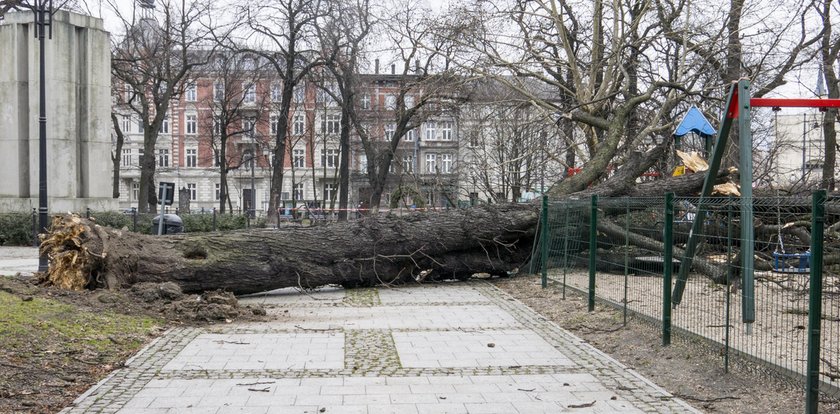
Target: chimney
393,69
376,67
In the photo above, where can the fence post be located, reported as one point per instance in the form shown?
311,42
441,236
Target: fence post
544,242
626,256
35,241
87,213
730,215
214,218
668,268
812,381
134,218
593,249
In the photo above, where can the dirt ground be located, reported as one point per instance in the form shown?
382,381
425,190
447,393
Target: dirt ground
687,369
55,344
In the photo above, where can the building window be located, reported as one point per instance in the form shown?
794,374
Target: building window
390,102
218,191
409,135
140,156
249,92
273,121
193,192
365,101
299,93
126,156
329,191
408,164
192,157
190,94
299,158
164,125
446,163
431,131
275,92
192,124
248,126
217,126
409,101
140,128
298,191
329,158
446,130
163,157
389,131
218,91
126,124
299,127
431,161
473,138
135,191
331,124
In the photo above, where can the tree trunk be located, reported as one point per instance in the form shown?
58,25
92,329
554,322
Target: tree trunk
116,156
491,239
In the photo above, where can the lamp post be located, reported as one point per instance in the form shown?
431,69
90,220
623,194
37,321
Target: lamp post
42,10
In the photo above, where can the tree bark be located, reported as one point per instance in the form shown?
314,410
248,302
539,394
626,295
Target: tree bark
492,239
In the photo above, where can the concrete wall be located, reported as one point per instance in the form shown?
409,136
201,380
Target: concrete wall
78,88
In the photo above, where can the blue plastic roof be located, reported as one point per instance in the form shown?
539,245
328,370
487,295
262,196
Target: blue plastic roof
694,121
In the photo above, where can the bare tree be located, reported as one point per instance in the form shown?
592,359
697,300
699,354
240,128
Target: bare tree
283,33
152,60
237,104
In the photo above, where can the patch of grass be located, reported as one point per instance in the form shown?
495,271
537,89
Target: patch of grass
43,325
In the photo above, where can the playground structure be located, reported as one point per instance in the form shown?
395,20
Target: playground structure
738,106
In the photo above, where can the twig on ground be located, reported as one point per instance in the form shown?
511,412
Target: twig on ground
706,400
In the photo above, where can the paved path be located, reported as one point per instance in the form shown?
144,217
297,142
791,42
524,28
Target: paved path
14,260
444,348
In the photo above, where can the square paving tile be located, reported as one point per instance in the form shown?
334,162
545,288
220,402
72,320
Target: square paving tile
430,294
475,349
389,317
303,350
294,296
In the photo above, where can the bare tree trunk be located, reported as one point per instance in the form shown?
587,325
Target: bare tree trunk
116,156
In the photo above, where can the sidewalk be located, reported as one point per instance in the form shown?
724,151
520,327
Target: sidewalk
444,348
14,260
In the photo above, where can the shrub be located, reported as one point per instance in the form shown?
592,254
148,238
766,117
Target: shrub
16,229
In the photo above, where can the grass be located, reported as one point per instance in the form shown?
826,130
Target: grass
44,325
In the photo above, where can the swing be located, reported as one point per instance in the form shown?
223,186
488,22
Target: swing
781,258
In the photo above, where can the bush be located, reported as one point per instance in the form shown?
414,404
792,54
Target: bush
16,229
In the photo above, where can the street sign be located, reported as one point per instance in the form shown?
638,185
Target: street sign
166,193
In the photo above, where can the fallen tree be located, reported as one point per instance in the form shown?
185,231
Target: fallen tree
494,239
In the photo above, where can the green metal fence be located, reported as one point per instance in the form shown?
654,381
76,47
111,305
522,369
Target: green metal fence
627,252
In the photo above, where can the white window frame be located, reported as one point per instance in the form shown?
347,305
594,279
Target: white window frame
191,124
390,102
299,124
299,158
409,135
299,191
329,157
126,124
390,129
365,101
273,121
329,191
218,187
193,188
126,156
446,163
218,91
431,163
190,92
431,131
249,92
191,157
331,124
276,92
163,157
446,128
135,190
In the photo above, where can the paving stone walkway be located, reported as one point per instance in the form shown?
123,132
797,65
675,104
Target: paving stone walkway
442,348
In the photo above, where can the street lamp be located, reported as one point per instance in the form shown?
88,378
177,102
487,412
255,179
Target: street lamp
43,11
